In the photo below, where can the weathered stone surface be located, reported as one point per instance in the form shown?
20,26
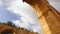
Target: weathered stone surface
4,28
48,16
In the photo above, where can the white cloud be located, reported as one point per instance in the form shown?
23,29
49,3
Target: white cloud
28,14
0,2
37,29
25,11
23,23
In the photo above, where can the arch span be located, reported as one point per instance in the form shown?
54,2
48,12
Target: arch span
48,16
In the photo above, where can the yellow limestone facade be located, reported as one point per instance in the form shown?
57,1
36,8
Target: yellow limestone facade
48,16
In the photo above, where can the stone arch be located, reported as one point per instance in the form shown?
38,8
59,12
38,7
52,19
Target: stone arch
8,30
48,16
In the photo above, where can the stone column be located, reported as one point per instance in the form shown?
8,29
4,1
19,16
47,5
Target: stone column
48,16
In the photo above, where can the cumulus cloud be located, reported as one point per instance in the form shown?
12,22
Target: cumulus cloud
28,16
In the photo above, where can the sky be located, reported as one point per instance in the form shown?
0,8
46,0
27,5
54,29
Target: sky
55,4
22,14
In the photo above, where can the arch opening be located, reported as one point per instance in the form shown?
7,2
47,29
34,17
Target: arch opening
6,32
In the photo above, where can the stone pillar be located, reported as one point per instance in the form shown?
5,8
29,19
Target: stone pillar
48,16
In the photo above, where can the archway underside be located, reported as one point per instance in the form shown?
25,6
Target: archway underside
47,15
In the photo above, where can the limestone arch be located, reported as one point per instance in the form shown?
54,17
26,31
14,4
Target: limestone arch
48,16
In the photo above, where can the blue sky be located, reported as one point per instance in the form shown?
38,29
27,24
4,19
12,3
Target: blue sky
5,15
22,14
